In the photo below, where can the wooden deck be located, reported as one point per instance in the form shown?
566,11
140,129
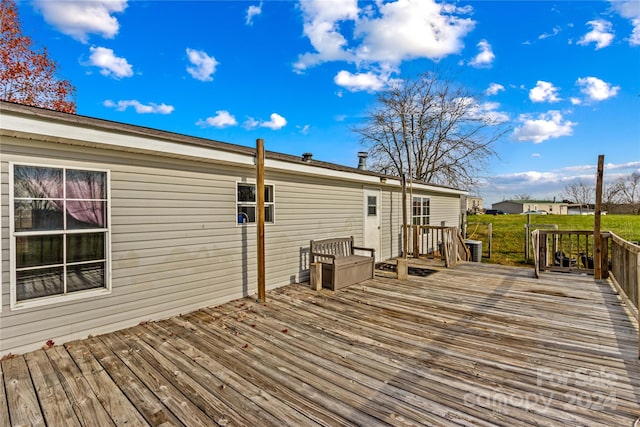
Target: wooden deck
476,345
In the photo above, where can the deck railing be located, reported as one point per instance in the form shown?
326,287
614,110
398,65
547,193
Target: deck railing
436,242
563,250
573,251
625,268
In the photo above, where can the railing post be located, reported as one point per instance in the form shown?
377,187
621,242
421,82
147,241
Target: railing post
605,255
490,238
416,243
637,301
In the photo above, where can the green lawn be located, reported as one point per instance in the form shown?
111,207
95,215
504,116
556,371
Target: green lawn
508,231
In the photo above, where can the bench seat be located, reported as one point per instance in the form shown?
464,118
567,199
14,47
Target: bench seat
340,266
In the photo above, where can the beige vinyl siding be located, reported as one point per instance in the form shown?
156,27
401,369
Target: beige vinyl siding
175,244
391,227
445,208
4,236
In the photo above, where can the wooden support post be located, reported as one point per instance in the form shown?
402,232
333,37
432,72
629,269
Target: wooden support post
402,268
260,219
315,279
597,238
405,225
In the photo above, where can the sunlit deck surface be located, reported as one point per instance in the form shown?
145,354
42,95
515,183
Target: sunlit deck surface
475,345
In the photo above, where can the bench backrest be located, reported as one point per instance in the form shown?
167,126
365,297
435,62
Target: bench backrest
338,247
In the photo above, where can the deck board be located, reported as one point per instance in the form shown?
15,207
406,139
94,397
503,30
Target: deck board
475,345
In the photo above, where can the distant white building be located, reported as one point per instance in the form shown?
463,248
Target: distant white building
474,205
522,206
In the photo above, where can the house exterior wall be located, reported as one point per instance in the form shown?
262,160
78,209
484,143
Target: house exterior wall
175,242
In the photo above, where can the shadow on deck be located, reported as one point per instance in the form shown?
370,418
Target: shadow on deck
474,345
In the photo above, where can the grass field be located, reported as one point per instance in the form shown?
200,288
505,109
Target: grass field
508,232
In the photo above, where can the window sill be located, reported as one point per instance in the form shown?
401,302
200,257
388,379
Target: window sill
57,299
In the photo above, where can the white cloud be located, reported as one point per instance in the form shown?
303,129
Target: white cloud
203,65
139,107
554,32
321,18
408,29
369,81
79,18
548,184
485,57
595,89
251,123
544,91
381,33
252,11
110,65
600,34
487,112
575,101
275,122
630,9
304,129
545,126
494,89
536,155
222,119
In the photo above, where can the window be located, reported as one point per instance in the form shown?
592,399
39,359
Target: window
372,205
246,203
421,211
60,232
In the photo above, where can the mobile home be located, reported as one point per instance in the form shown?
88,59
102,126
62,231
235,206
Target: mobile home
105,225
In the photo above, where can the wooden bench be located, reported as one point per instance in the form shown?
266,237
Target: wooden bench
340,265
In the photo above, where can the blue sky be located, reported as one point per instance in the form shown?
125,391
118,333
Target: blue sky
563,75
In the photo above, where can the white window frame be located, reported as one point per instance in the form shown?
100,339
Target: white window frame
239,203
421,216
73,296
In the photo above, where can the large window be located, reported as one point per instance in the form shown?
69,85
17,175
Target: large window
421,211
246,203
60,232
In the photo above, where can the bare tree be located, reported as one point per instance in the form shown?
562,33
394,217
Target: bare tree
522,197
626,190
579,193
431,130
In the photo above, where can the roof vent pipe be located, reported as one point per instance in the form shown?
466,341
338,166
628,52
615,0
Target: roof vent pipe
362,160
306,157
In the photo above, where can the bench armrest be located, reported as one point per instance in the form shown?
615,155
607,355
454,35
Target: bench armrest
371,250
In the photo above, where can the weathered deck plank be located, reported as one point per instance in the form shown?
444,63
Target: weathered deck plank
476,345
121,411
21,397
55,405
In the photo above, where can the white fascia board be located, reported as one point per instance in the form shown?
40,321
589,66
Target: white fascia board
82,135
281,165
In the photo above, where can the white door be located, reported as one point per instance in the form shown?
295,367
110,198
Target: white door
372,220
